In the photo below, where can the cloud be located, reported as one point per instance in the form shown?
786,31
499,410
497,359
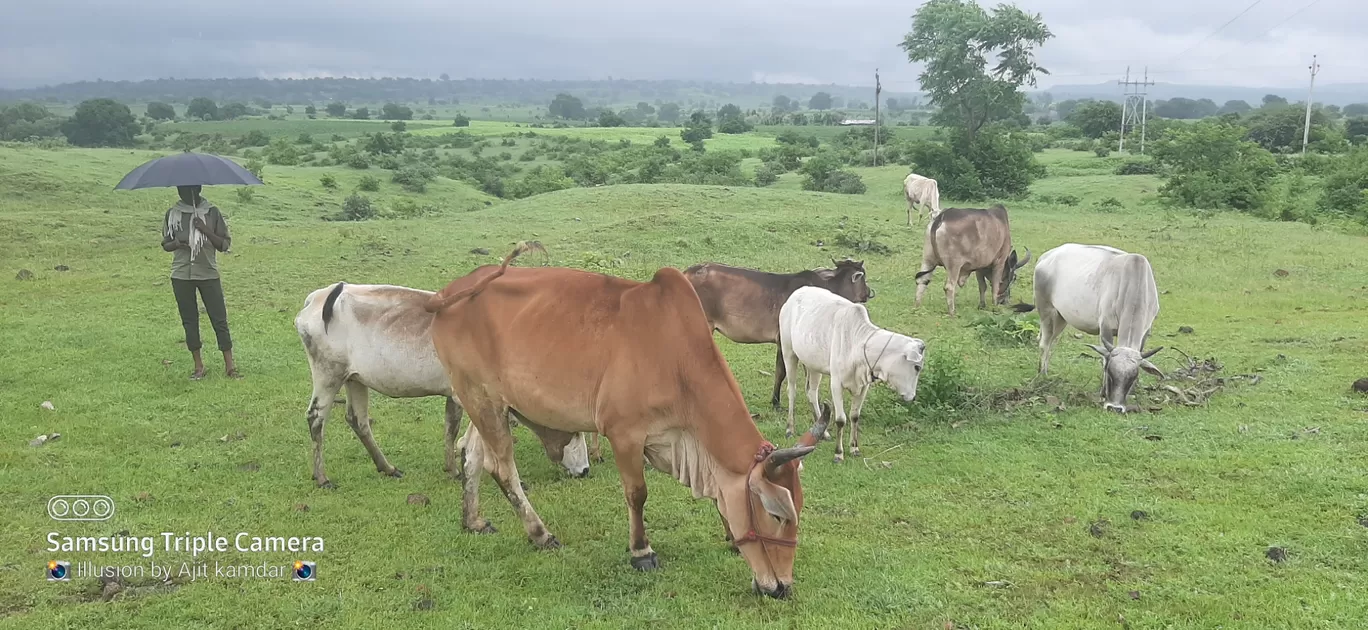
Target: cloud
731,40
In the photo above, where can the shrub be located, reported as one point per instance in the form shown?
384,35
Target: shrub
1067,200
943,386
1006,329
357,208
398,126
822,173
1212,166
358,161
304,138
542,179
328,181
1102,151
1110,204
245,194
1344,190
1137,167
255,167
767,174
368,183
414,177
282,152
254,138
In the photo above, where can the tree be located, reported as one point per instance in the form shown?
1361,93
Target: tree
645,109
1356,130
1357,109
1234,107
1280,130
336,109
698,130
394,111
461,120
160,111
1095,118
232,110
1184,108
361,113
445,77
820,101
202,109
1273,100
953,38
567,107
101,122
28,120
669,112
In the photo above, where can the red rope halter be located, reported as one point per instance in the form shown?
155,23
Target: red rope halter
761,454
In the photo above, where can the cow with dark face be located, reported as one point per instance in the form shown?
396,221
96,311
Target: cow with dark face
965,240
743,304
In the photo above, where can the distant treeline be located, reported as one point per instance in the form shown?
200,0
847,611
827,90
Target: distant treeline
697,94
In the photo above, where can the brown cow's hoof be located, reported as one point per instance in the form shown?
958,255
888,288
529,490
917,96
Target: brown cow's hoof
328,485
549,543
396,473
788,433
486,528
854,451
646,563
838,458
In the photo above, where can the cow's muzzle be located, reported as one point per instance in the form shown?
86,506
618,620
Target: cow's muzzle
1114,407
780,591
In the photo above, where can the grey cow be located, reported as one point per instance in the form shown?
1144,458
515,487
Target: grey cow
1101,291
965,240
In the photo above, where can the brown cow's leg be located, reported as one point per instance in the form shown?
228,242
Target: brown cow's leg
453,431
629,456
952,277
358,416
780,373
596,451
320,404
999,271
499,440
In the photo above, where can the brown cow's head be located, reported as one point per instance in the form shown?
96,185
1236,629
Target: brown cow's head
848,280
774,501
1009,275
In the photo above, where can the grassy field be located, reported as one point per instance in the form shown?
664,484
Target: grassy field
1016,512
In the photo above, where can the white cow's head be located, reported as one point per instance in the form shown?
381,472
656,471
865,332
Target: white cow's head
1120,370
901,365
575,457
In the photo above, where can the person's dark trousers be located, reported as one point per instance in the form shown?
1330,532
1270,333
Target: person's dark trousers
211,291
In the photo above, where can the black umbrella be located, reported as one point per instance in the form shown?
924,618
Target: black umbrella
187,169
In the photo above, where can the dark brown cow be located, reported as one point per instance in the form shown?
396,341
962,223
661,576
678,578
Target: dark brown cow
570,350
743,304
965,240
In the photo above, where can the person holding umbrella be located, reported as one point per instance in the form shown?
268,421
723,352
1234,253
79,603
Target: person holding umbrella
193,231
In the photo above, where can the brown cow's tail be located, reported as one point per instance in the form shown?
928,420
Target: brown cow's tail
438,301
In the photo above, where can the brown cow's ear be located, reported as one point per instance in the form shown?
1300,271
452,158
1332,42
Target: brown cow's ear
777,500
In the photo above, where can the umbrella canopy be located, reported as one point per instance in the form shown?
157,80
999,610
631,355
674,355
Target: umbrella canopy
187,169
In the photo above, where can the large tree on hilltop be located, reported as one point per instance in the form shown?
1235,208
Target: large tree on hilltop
954,39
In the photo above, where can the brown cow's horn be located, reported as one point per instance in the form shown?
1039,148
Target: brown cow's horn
1023,261
1151,353
784,456
1106,343
814,435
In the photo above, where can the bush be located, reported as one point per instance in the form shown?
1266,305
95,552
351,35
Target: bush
255,167
357,208
1110,204
368,183
358,161
328,181
767,174
733,125
1137,167
943,386
542,179
282,152
1212,166
304,138
822,173
414,177
1006,329
254,138
1344,190
1102,151
954,174
245,194
398,126
1067,200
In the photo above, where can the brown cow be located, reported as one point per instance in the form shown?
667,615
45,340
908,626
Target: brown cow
571,350
743,304
965,240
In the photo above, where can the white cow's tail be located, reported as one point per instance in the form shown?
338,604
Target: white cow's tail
329,303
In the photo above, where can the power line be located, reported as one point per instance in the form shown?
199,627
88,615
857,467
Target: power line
1218,29
1275,26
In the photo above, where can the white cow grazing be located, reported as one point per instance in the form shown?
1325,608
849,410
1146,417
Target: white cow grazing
370,336
923,191
1101,291
831,335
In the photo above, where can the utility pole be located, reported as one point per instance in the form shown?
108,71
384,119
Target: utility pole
1134,106
878,89
1306,131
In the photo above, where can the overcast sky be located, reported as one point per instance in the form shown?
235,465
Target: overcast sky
54,41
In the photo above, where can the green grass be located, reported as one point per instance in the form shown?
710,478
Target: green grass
321,128
977,495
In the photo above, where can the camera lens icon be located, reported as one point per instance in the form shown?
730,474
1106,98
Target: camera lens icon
59,571
304,571
80,507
